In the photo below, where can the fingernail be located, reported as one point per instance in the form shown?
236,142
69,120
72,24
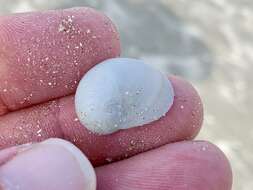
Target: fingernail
122,93
51,165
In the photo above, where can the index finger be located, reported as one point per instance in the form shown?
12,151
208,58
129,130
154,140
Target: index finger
43,55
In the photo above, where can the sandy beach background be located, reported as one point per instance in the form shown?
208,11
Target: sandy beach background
208,42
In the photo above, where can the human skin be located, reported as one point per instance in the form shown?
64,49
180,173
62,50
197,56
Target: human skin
40,67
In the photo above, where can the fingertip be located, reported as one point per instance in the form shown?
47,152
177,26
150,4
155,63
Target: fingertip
52,164
84,164
45,54
187,108
221,163
182,165
208,162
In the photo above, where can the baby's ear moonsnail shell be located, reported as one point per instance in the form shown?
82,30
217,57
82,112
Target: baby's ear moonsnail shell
122,93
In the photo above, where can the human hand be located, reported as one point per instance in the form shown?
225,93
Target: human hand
43,56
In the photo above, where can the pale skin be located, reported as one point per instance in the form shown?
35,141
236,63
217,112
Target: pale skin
37,85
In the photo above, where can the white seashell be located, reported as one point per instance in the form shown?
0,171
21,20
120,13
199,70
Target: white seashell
122,93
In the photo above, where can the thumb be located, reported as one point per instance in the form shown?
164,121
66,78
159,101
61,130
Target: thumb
53,165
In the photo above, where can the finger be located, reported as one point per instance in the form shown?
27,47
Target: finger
178,166
44,54
58,119
53,164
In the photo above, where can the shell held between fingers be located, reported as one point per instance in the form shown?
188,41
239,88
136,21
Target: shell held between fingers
122,93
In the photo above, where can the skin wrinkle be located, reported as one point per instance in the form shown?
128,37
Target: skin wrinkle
59,123
56,117
3,105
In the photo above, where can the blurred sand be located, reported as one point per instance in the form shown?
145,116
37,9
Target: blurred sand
209,42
